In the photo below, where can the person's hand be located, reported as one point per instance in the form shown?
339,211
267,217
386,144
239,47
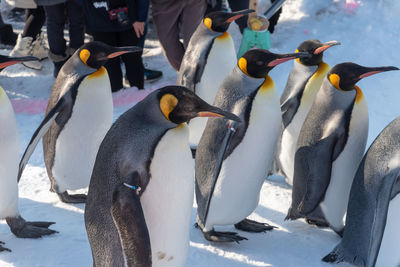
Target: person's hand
139,28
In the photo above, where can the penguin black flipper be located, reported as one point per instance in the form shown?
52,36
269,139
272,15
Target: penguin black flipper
192,67
40,131
128,216
290,105
312,177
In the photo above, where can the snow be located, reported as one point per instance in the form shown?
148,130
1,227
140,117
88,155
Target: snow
369,32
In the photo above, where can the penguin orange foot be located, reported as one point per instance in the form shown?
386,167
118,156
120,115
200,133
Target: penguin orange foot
24,229
253,226
76,198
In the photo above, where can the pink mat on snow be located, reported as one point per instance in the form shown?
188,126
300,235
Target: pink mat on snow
127,97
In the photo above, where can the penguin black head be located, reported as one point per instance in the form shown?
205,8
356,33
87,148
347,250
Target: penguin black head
316,49
258,62
179,104
344,76
96,54
219,21
6,61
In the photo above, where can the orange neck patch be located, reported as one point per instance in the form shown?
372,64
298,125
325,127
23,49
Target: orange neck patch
100,72
267,84
224,36
359,94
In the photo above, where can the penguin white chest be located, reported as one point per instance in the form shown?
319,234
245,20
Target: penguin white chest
9,157
79,140
291,133
168,200
237,189
220,62
388,252
344,168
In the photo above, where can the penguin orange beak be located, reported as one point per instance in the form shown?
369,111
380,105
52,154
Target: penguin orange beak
325,46
124,50
15,60
376,70
212,111
286,57
239,14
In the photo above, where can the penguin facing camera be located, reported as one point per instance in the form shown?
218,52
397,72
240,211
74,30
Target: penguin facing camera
209,58
9,156
146,149
304,81
371,236
230,173
330,147
78,116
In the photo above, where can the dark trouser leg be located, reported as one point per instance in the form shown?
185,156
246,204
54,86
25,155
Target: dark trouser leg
76,24
133,61
113,66
55,28
192,15
34,20
166,18
236,5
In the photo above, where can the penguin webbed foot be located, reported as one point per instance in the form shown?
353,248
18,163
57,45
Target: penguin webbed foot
3,248
23,229
318,223
215,236
253,226
67,198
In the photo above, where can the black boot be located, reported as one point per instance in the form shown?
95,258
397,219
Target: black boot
7,36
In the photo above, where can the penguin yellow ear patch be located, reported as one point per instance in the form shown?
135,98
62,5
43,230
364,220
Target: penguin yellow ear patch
167,103
242,63
208,23
84,55
335,80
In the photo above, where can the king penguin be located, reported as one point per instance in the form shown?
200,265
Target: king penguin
209,58
330,147
140,196
230,174
9,156
371,236
304,81
78,116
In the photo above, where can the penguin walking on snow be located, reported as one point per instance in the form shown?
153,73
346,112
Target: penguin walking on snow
78,116
209,58
9,156
303,84
371,236
230,174
140,196
330,147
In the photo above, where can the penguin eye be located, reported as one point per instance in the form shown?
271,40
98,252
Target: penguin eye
259,63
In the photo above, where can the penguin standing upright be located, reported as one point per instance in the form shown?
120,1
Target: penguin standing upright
9,156
303,84
330,147
209,58
78,116
229,175
146,149
371,236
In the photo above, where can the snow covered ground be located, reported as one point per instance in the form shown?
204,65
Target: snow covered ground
370,36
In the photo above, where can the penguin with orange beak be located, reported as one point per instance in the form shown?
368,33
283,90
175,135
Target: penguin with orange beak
209,58
330,147
232,160
140,198
78,116
303,83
